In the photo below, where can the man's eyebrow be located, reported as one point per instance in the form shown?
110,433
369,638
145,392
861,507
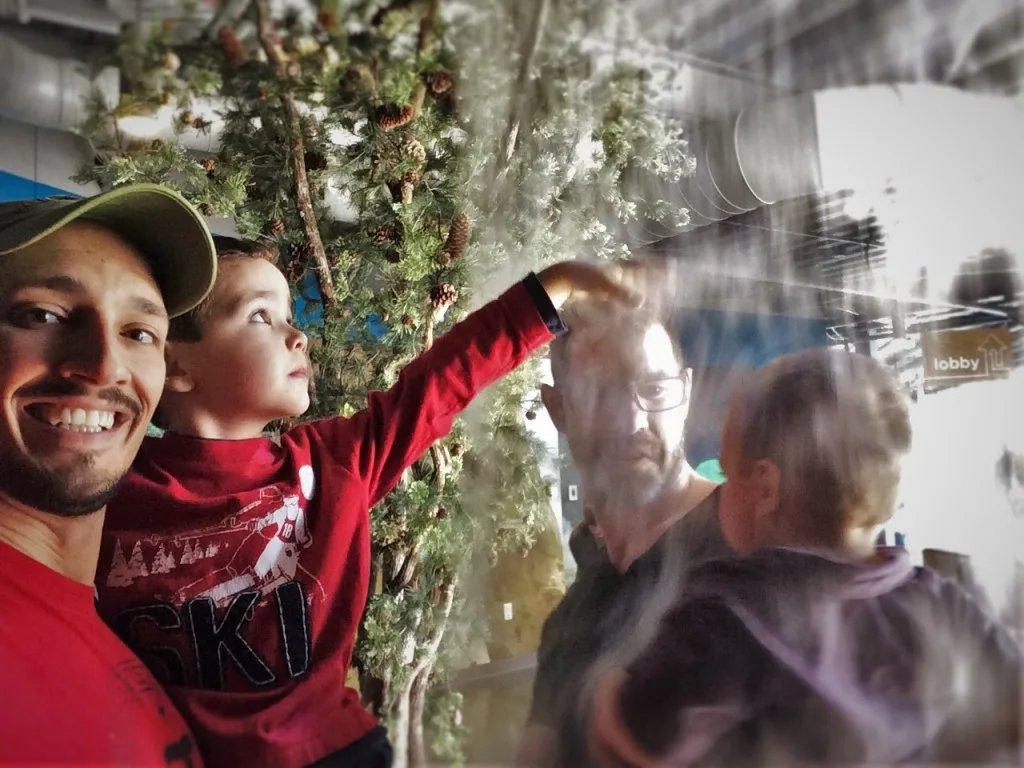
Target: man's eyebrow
148,307
63,283
67,284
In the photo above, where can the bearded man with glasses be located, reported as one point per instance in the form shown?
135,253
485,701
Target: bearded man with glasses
621,396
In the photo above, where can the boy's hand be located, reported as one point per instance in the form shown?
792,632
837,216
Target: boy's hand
572,279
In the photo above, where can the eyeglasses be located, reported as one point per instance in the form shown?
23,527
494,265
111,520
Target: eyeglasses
660,395
594,394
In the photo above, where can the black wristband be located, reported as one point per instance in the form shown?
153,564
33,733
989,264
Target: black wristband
542,301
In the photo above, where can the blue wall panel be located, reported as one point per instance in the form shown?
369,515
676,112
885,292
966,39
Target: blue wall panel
723,348
14,187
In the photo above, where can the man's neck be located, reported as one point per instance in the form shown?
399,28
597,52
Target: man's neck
630,530
68,545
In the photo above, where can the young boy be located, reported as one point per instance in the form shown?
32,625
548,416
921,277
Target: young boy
237,567
815,648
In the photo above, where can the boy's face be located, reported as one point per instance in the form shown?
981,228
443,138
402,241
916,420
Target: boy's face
82,329
250,366
748,504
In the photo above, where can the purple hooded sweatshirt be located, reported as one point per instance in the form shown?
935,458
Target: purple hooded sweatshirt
788,657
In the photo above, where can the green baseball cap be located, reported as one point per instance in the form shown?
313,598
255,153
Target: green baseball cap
166,229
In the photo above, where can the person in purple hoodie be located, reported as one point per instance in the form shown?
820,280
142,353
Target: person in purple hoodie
813,646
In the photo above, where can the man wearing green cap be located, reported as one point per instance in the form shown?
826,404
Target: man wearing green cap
86,290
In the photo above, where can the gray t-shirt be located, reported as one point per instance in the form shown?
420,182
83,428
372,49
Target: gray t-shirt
606,612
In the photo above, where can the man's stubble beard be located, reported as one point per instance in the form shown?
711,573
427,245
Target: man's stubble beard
627,493
50,491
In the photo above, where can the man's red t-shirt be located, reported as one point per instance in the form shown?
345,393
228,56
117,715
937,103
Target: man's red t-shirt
72,693
239,569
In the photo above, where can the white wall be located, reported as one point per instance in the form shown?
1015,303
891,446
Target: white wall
44,155
949,490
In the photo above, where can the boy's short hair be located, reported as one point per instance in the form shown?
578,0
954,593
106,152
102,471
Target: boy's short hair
189,327
837,425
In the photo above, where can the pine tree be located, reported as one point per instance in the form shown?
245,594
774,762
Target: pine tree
137,563
470,150
118,575
163,562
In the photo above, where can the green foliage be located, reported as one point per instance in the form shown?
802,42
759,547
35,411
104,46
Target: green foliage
537,162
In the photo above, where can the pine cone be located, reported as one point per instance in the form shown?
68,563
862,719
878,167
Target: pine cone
393,256
202,126
206,209
171,61
407,189
382,235
326,19
413,150
442,513
407,321
439,83
531,415
443,295
188,118
412,177
209,165
396,117
231,46
315,161
277,226
293,272
297,250
455,449
457,242
357,78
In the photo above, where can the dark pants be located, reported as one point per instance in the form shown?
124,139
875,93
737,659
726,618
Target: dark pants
371,751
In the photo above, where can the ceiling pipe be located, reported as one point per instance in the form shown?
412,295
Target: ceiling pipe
953,156
43,83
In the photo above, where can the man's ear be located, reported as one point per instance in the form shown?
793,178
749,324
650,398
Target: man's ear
179,380
552,400
688,384
766,487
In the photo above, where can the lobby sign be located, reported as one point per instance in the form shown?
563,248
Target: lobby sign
977,354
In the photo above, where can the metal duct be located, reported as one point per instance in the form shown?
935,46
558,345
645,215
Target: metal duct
46,89
43,83
91,15
939,145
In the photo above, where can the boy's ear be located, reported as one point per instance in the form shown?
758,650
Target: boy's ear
178,378
767,487
552,400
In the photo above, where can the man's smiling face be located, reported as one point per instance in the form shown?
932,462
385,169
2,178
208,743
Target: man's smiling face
82,331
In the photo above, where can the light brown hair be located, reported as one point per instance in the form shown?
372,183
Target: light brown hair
837,425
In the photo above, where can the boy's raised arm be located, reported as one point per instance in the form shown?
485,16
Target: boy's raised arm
398,425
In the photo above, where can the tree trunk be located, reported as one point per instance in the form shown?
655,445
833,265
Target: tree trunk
407,725
418,756
400,729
